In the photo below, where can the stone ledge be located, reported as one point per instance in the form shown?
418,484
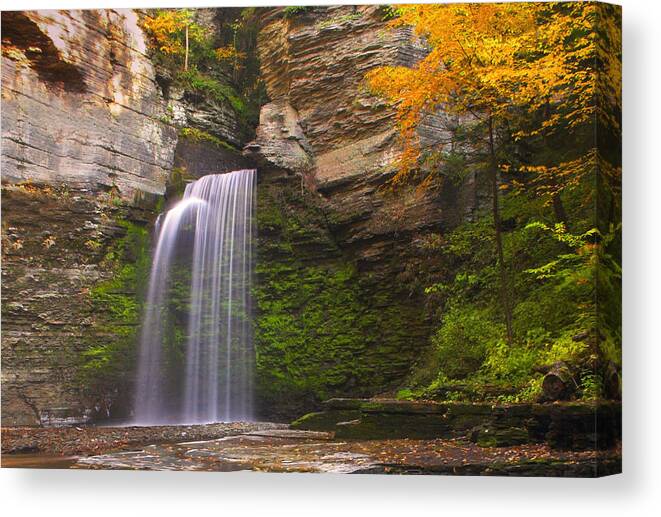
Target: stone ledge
570,425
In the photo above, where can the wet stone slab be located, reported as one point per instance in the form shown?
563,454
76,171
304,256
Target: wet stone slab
269,450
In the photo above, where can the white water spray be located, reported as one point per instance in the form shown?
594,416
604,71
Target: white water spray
209,234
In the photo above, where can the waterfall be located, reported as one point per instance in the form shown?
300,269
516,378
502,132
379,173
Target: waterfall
196,356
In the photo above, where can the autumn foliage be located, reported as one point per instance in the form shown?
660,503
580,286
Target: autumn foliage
530,97
535,69
178,39
171,28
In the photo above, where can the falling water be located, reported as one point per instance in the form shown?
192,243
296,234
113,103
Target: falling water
204,257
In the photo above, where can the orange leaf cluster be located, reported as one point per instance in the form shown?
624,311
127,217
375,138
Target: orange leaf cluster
229,53
491,60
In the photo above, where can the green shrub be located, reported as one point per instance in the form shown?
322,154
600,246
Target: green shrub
406,394
552,303
566,349
513,364
294,10
529,393
544,311
591,386
462,340
195,80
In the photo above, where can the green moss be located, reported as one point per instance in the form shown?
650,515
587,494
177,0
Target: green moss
176,186
493,436
291,11
324,421
394,426
202,136
338,20
309,328
195,80
317,337
406,394
105,366
322,329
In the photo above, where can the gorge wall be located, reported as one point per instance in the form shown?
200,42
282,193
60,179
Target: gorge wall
87,154
342,265
82,149
91,138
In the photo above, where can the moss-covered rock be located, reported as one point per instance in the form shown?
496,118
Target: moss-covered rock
324,420
73,264
107,364
575,426
496,436
323,328
378,426
344,403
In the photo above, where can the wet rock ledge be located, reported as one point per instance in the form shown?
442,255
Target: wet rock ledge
74,441
568,425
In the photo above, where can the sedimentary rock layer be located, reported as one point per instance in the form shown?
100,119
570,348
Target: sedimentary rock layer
82,149
80,103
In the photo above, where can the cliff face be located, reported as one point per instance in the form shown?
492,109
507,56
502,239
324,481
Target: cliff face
323,122
341,303
80,103
84,155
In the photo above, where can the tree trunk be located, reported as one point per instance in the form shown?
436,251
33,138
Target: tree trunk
186,54
559,211
558,383
558,207
504,287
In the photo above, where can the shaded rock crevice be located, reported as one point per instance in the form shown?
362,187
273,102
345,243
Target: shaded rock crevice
25,35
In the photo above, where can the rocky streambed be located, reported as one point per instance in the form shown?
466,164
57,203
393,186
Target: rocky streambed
352,436
265,447
309,451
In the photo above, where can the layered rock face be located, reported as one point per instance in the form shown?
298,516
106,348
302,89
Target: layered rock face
80,103
82,149
324,123
338,246
58,246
